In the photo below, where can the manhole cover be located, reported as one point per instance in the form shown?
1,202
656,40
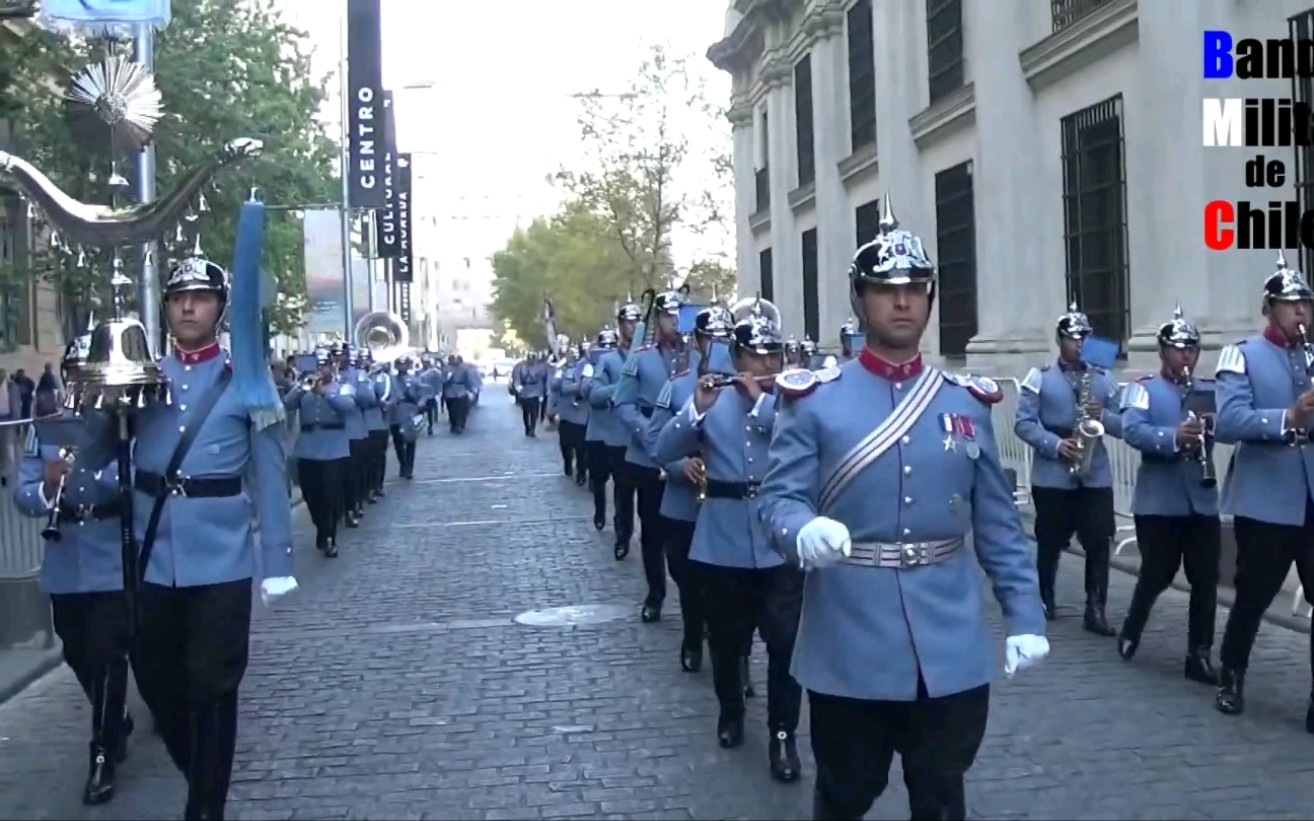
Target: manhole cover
574,615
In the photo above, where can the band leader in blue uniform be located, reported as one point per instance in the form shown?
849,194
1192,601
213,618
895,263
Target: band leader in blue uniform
746,583
1051,400
201,462
1266,409
894,647
1176,502
82,572
323,447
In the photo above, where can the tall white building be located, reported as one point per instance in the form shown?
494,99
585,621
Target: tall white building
1042,149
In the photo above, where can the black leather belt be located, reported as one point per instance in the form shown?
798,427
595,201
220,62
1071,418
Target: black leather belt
1062,433
76,514
731,490
200,487
323,426
647,412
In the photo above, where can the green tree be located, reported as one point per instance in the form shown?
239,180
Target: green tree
568,258
227,69
711,281
648,169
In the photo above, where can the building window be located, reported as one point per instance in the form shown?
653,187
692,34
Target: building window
811,293
862,76
1095,216
762,177
1302,29
16,291
807,159
766,276
1064,13
955,242
944,46
867,217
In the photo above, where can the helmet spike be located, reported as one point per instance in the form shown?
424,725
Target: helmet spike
1281,260
888,222
1177,312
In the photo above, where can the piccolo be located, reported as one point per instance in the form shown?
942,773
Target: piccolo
720,380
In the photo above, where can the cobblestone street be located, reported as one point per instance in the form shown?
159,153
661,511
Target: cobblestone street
395,684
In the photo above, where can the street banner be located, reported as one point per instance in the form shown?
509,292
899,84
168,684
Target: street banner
365,104
401,271
385,222
322,229
404,301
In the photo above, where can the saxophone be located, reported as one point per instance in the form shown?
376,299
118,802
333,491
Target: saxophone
1087,431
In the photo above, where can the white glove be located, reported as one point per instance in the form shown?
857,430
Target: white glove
271,590
823,542
1020,652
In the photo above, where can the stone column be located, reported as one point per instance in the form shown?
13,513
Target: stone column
787,264
740,115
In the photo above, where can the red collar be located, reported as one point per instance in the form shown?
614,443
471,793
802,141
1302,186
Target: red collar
889,370
1277,338
198,356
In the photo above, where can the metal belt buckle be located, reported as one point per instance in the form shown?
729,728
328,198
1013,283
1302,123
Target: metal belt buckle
914,555
177,486
750,491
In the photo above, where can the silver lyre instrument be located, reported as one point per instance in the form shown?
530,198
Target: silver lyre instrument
51,531
1203,454
384,334
1088,431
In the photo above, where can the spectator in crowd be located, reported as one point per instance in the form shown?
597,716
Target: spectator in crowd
26,389
47,393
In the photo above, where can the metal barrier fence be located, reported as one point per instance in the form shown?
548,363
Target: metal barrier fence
1123,459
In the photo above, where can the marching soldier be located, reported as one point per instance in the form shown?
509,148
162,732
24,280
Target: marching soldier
893,646
600,390
405,407
323,449
458,386
433,378
807,352
600,427
200,463
1052,401
684,477
530,385
354,470
1176,501
1266,409
642,379
794,354
746,583
376,422
575,411
82,572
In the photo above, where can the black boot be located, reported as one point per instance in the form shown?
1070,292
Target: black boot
1231,698
103,756
1127,645
1047,602
331,547
651,613
1309,715
730,729
1138,613
1097,590
1094,621
1200,668
691,657
744,670
824,809
783,754
214,740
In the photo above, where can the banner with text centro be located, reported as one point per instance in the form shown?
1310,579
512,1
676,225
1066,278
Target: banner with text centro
402,265
325,313
365,105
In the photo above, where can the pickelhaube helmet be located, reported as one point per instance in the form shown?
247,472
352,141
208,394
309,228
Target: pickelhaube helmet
75,356
1074,324
894,257
668,302
563,342
758,332
849,328
1178,333
792,346
196,273
807,347
714,321
1286,284
323,356
364,356
607,339
629,312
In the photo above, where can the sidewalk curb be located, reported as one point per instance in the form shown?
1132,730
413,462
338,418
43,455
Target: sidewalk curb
50,659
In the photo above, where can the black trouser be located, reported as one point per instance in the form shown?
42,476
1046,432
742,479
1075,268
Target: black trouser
529,411
431,412
1264,555
458,410
93,628
648,485
599,473
321,488
1167,543
679,538
354,475
739,599
566,432
622,487
854,742
190,657
405,451
378,470
1086,512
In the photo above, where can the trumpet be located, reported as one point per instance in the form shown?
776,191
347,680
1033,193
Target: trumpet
51,531
311,381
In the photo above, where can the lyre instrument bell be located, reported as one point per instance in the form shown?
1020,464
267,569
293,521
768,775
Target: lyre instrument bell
51,531
1088,430
384,335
